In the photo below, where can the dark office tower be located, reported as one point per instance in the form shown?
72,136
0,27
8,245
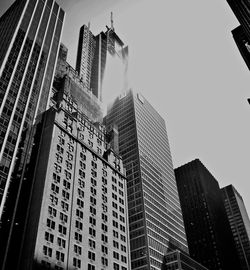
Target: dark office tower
208,231
96,53
239,222
243,44
242,13
155,216
30,32
241,34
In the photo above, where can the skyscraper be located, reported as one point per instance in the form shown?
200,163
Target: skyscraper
208,231
243,44
77,215
155,217
94,54
30,32
241,34
239,223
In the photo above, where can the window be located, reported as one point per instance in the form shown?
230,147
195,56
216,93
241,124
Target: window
68,174
79,225
81,183
104,198
56,178
65,206
77,249
123,238
76,262
80,193
121,201
104,189
93,190
52,211
58,168
61,141
92,232
115,224
124,258
59,158
91,243
122,219
115,233
93,200
61,242
82,156
104,181
121,209
62,229
60,256
53,199
104,261
104,217
59,149
79,213
116,266
104,227
69,156
115,244
91,267
93,173
49,237
63,217
105,249
116,255
114,205
114,179
93,181
51,224
104,238
80,203
91,255
66,184
82,165
78,237
114,187
65,195
81,174
54,188
123,248
115,214
47,251
92,221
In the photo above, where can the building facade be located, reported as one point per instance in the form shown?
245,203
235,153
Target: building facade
178,260
239,223
208,231
30,32
77,216
155,216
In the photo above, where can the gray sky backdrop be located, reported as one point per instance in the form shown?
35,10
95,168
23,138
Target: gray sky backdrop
184,61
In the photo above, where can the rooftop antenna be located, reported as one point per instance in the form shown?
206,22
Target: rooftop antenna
112,22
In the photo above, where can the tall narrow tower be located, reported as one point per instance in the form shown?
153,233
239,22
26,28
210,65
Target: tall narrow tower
30,32
210,240
155,218
93,54
239,223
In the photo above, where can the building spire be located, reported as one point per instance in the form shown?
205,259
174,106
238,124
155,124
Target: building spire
112,22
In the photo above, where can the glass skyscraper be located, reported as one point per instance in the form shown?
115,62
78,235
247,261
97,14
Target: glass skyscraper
30,32
155,218
239,223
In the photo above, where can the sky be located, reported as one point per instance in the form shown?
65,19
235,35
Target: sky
184,61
